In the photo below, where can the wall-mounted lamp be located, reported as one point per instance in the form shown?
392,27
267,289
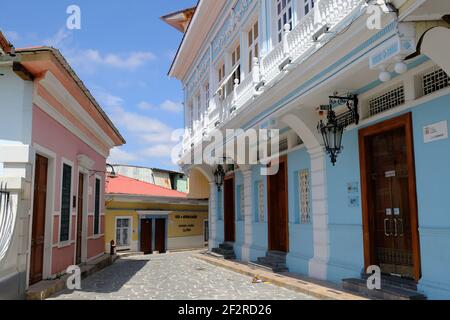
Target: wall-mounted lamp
111,174
333,130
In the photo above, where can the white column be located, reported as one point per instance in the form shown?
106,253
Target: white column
248,209
318,264
212,216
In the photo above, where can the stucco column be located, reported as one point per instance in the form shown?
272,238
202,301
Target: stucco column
248,221
212,210
318,264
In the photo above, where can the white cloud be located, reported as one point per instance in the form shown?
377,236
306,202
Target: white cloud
153,137
91,58
119,156
12,36
145,105
158,151
172,106
88,60
59,40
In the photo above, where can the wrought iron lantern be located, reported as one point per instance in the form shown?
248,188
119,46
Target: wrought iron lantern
333,130
332,135
219,176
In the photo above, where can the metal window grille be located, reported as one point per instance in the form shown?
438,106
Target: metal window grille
386,101
304,196
283,145
261,201
242,202
435,81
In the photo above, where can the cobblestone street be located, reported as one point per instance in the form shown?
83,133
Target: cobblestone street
173,276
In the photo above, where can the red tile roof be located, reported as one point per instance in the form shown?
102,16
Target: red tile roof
125,185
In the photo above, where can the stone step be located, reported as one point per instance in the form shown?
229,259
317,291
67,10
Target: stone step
387,292
268,267
276,254
227,254
226,246
394,281
272,259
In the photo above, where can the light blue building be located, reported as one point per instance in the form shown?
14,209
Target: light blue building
274,64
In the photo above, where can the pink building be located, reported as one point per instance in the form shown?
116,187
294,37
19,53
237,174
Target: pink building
58,159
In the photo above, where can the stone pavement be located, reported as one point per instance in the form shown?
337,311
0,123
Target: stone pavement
173,276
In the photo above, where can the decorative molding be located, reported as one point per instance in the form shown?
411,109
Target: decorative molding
57,90
85,162
47,108
233,22
261,207
198,75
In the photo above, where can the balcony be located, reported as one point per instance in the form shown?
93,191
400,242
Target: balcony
296,46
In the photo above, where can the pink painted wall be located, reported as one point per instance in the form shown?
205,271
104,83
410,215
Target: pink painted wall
49,134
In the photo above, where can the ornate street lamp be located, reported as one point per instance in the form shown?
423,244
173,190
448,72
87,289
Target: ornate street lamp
219,176
332,135
333,130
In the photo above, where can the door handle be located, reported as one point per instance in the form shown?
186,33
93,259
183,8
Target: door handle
395,228
385,227
400,221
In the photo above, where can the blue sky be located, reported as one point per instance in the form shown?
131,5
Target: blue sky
122,53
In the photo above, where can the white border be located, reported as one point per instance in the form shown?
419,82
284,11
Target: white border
69,242
130,232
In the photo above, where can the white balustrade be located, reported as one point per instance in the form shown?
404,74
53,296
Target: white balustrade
296,45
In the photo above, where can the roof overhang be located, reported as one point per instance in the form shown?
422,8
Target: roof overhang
5,46
151,199
179,20
39,60
202,22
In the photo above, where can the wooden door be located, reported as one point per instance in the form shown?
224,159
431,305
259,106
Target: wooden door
277,199
146,236
38,226
229,212
389,198
160,235
80,208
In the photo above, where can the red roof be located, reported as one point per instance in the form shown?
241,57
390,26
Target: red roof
125,185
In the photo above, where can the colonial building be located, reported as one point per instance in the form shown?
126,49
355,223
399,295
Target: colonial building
54,142
376,71
145,217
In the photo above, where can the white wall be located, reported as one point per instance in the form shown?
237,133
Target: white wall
15,108
16,158
193,242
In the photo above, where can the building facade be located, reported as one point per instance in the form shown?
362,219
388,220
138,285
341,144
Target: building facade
54,142
144,217
277,64
163,178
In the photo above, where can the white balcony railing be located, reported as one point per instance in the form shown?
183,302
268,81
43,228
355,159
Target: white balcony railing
296,46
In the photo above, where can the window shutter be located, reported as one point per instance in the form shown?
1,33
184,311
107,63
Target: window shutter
65,202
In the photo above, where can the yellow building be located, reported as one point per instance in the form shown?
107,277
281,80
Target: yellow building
144,217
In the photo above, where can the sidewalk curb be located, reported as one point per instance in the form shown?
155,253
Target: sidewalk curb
309,288
46,288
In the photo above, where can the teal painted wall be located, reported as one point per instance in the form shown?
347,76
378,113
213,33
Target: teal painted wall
301,248
259,232
433,191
